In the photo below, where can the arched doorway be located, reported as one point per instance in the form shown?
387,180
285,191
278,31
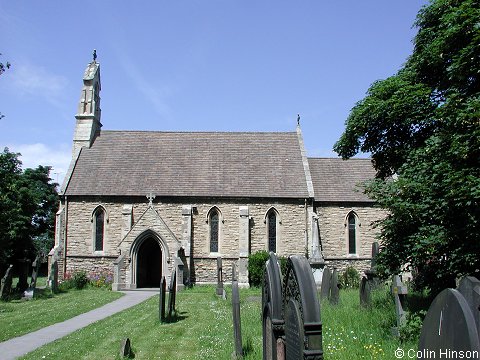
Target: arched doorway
149,263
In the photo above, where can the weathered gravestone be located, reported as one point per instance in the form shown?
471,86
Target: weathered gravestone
372,272
399,292
6,286
326,279
161,300
365,290
220,290
303,326
449,330
171,295
30,292
272,308
53,275
469,287
179,271
125,348
237,329
24,265
334,288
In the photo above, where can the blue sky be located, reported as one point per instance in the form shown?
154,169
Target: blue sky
204,65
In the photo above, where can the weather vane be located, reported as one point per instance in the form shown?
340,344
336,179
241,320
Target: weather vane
94,54
298,119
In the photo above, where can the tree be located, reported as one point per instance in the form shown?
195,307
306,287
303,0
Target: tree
28,201
422,125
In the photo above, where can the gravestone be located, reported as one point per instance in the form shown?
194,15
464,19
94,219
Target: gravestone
372,272
161,300
24,265
326,279
179,271
272,308
234,272
334,288
30,292
237,329
449,328
365,290
6,285
469,287
171,295
125,348
53,275
303,326
220,290
399,292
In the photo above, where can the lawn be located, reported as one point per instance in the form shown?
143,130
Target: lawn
203,330
18,317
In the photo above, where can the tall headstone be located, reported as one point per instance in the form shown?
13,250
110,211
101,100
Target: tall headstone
317,262
24,265
303,325
6,285
161,300
237,328
469,287
334,289
171,295
272,308
399,292
365,290
326,279
372,272
220,290
179,271
30,292
449,328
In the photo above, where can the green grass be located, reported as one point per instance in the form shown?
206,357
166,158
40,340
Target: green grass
203,330
18,317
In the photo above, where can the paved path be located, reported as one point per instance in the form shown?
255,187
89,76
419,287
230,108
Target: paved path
22,345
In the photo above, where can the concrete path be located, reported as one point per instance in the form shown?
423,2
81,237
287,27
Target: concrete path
19,346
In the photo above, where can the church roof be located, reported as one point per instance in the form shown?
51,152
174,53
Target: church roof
203,164
336,180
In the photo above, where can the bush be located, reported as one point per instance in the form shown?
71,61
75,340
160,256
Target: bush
101,278
350,278
256,266
78,280
411,330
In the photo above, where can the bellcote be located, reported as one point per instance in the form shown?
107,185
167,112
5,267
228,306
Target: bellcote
88,113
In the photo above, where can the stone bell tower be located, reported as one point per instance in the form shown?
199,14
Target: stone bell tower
88,114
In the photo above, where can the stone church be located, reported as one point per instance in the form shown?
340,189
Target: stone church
139,204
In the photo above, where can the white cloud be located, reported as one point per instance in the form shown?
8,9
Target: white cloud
37,154
36,80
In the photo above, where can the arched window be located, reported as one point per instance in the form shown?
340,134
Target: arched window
99,228
352,233
272,230
214,227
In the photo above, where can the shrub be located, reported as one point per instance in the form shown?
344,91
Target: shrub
256,266
350,278
101,278
77,280
411,330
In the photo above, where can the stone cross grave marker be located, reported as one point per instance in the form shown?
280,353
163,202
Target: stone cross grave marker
220,290
237,328
30,292
161,300
399,292
334,288
449,328
6,285
171,295
469,287
303,326
365,290
326,278
272,309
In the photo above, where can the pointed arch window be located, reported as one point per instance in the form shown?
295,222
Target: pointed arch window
272,231
352,233
99,228
214,220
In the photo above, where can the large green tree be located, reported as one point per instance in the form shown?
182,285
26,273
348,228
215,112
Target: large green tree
422,129
28,201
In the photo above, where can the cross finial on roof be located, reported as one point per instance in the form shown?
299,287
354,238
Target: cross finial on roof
150,198
94,55
298,119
